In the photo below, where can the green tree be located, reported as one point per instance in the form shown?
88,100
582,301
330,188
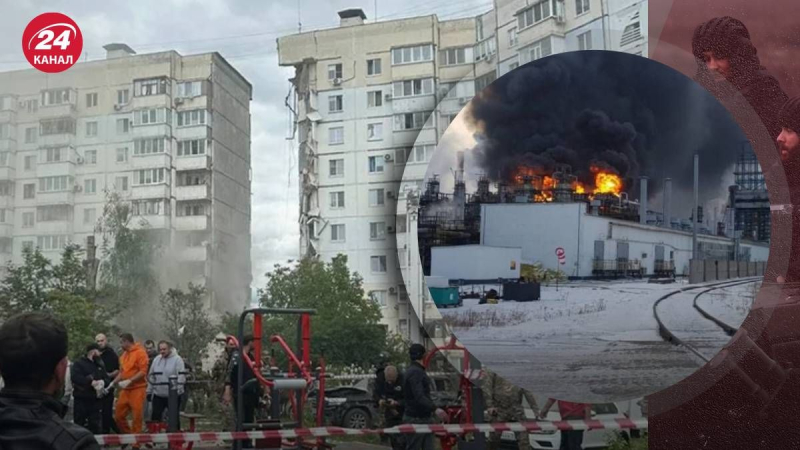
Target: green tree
186,322
346,326
25,287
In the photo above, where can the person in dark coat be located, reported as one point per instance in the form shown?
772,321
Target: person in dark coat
419,406
389,397
252,389
88,379
33,364
110,361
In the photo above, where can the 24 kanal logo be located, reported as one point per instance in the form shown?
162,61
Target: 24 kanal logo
52,42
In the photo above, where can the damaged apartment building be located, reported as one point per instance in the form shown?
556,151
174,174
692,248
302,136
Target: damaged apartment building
370,102
169,133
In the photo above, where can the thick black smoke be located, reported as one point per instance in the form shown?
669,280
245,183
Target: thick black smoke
609,109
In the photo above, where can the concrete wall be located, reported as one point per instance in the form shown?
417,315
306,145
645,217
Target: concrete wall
475,262
715,270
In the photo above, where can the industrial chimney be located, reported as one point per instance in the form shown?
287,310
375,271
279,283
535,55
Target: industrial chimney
460,189
643,201
667,202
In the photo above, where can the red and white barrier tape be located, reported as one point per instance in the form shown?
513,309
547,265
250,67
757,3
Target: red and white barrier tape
455,429
471,375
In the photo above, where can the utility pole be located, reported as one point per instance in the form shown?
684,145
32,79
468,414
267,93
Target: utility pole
696,204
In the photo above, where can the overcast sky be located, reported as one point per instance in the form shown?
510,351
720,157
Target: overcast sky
244,32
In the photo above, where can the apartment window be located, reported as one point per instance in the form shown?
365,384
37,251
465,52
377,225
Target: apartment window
479,29
402,154
148,146
27,245
122,155
374,66
150,86
376,164
32,106
377,197
453,56
374,131
90,156
6,188
50,243
30,162
149,208
91,100
57,126
150,116
337,233
581,6
193,210
4,159
421,153
536,13
121,183
409,88
149,176
379,297
374,99
189,89
447,90
51,155
28,220
89,216
512,37
485,49
90,186
336,167
192,148
540,49
91,129
123,126
7,103
335,103
401,224
194,117
377,230
54,184
334,71
31,135
336,135
585,41
407,55
411,121
5,131
53,213
378,264
55,97
29,191
123,96
337,199
513,66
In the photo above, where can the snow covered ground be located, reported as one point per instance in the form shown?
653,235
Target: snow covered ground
590,341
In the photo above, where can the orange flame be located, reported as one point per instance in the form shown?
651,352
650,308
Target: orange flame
580,188
607,183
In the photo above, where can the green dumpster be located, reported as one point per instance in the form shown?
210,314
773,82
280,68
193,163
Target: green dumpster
445,297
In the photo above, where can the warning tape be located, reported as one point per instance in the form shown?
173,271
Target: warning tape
471,375
454,429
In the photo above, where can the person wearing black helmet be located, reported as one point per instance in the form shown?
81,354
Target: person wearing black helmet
419,405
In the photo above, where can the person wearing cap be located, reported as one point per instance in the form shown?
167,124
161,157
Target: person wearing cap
88,379
419,405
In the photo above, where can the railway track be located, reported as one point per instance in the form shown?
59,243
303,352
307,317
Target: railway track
705,336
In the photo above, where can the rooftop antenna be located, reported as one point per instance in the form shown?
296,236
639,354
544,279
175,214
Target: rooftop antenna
299,22
376,10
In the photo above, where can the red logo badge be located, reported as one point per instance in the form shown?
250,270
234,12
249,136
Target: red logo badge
52,42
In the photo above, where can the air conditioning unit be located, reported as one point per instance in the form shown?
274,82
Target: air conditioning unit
81,160
391,195
337,81
390,230
392,290
78,188
463,100
388,157
178,101
387,97
117,107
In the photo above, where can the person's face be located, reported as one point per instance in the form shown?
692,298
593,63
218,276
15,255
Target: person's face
391,376
93,354
101,340
163,349
149,347
719,67
230,347
125,344
789,144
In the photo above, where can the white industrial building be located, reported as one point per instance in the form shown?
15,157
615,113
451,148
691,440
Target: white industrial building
169,133
476,262
372,100
540,228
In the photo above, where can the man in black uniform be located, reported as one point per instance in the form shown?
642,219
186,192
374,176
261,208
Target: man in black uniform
389,396
33,364
418,402
252,391
110,361
88,378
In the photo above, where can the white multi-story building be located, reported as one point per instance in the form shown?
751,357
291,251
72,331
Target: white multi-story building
372,101
169,133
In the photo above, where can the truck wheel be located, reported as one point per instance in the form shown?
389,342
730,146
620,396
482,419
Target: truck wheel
358,419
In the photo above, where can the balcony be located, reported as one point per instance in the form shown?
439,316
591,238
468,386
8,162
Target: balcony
151,160
154,222
54,227
6,230
53,111
55,198
193,254
152,101
8,116
146,191
7,173
55,169
192,132
199,162
154,130
192,223
8,145
199,192
66,139
7,201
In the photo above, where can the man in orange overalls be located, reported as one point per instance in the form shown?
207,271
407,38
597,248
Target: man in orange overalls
133,385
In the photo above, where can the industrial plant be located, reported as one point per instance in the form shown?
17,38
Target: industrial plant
588,230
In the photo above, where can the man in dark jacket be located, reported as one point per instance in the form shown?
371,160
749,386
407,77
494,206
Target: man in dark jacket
110,361
389,397
88,379
418,402
33,364
252,391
